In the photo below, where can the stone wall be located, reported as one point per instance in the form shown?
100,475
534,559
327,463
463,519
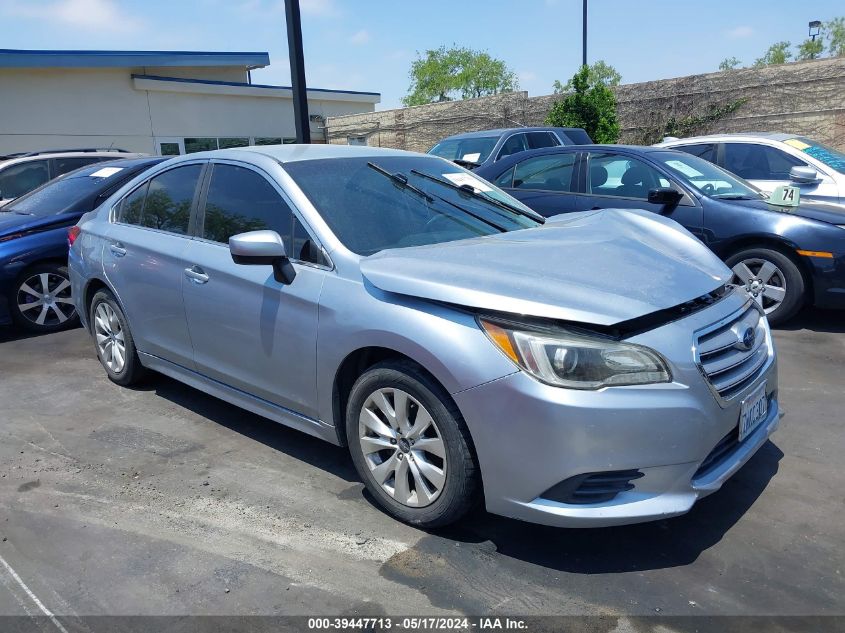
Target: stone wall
806,98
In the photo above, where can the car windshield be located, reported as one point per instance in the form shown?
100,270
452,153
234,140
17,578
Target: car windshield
709,179
370,210
831,157
64,194
474,149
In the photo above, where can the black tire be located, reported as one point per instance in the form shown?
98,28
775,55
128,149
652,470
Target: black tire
132,372
794,280
461,490
59,308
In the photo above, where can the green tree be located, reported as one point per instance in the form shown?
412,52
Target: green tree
810,49
777,53
444,74
592,107
600,73
730,63
835,31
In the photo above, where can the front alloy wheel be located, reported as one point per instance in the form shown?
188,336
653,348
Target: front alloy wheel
772,278
402,447
763,280
410,445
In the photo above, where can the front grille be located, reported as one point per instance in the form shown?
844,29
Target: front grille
727,364
723,449
592,487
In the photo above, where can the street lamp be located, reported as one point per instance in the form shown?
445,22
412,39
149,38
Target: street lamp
297,72
815,29
584,37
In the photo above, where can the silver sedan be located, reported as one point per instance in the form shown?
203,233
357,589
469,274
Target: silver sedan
589,370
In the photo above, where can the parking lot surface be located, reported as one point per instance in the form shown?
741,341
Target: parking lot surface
162,500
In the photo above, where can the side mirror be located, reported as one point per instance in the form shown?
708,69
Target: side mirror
803,175
263,248
665,196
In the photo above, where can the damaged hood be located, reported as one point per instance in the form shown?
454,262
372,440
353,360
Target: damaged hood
599,267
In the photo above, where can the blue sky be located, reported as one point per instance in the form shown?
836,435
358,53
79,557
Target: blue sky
369,44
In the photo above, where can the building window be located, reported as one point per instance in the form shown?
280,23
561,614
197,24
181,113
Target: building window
268,140
226,143
169,149
356,140
199,144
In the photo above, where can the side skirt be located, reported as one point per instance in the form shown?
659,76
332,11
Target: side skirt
239,398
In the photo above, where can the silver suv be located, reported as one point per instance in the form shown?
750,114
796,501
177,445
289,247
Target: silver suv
768,160
26,171
588,371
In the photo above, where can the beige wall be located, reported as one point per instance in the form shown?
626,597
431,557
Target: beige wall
57,108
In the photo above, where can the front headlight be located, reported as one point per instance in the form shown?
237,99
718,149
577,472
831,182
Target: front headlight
576,361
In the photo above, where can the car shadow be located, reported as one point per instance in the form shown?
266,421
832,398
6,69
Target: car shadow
10,333
817,320
644,546
655,545
296,444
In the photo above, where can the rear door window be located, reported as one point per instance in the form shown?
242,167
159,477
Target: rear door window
164,202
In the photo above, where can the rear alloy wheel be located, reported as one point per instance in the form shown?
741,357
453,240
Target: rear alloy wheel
772,279
41,300
410,445
114,343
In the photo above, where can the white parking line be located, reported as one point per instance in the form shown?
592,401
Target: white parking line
32,596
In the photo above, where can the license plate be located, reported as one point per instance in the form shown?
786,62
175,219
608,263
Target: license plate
753,411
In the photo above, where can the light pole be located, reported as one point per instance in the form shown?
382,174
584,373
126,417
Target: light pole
584,37
297,72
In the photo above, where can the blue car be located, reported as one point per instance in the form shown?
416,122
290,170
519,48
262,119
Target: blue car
34,285
785,256
483,148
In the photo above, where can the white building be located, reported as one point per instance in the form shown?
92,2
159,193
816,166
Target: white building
154,102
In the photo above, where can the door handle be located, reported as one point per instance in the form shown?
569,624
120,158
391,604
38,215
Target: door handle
196,274
117,249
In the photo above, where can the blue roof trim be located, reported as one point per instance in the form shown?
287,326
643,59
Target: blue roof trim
15,58
212,82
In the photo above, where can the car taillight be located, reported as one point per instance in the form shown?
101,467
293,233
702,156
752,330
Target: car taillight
72,233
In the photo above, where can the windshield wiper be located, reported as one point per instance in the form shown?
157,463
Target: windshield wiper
467,189
401,180
466,163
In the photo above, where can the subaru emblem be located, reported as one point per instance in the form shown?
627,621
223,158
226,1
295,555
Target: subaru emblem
746,340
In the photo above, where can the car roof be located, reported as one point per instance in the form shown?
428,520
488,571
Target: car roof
503,130
123,163
772,136
291,153
505,163
10,159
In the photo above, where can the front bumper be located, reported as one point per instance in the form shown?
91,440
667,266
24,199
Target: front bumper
530,436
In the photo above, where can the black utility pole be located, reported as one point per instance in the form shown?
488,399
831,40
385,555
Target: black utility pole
584,37
297,72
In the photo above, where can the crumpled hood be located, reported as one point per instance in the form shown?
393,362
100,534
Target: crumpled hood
599,267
